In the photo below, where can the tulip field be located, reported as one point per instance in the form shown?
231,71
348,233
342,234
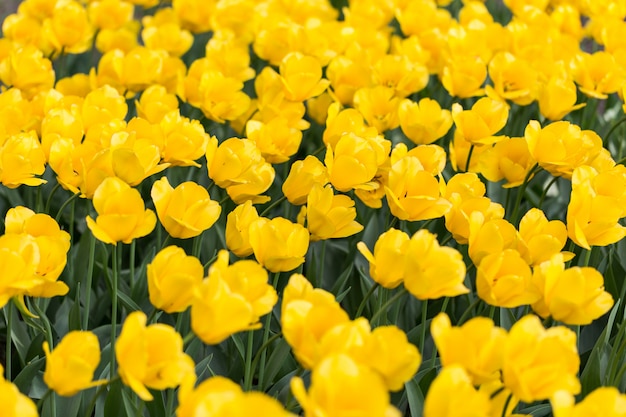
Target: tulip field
318,208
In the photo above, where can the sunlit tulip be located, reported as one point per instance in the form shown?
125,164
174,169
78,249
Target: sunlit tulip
172,278
185,211
151,356
72,363
122,215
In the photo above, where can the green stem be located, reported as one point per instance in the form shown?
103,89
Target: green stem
469,158
197,245
271,206
8,315
43,399
506,404
49,200
423,336
133,250
89,279
114,286
247,379
101,388
467,312
613,128
587,257
390,302
521,191
259,357
365,299
266,335
65,204
545,191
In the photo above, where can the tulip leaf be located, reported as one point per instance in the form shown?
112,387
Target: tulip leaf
24,379
156,407
276,361
340,284
74,321
127,302
114,403
415,398
539,410
69,406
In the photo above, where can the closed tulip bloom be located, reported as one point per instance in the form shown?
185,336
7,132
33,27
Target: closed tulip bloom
307,315
561,147
475,346
392,356
155,103
452,394
379,106
573,296
302,77
231,299
532,350
479,124
504,279
557,97
53,245
172,278
185,140
110,14
387,261
151,356
303,175
340,385
21,160
413,193
70,366
220,397
491,237
509,159
237,165
237,231
19,257
433,271
543,238
276,140
463,77
14,403
601,402
69,29
27,70
122,215
597,203
354,161
185,211
278,244
340,121
330,216
424,122
103,105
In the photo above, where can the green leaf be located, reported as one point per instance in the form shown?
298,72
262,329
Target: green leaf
415,398
25,378
74,321
69,406
114,403
127,302
276,360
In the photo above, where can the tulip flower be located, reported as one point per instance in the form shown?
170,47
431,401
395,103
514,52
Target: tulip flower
278,244
122,215
172,279
72,363
151,356
185,211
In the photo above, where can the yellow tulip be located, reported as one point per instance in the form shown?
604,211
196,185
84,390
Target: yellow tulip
453,394
172,278
303,175
278,244
340,385
531,350
433,271
72,363
237,231
185,211
330,216
122,215
151,356
14,403
572,296
387,261
475,346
